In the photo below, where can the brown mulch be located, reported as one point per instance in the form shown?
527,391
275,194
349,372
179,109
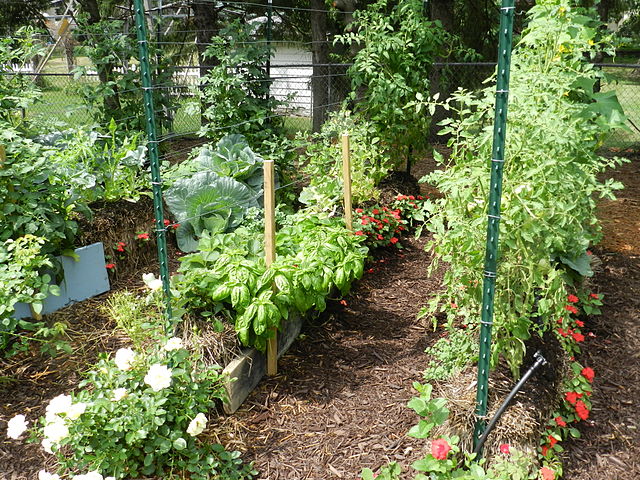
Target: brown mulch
610,443
339,403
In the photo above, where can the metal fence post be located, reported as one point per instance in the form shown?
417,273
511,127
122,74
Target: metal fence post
156,180
493,224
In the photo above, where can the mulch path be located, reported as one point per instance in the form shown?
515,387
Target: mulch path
339,403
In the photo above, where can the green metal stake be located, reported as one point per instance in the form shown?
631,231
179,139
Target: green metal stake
493,226
156,181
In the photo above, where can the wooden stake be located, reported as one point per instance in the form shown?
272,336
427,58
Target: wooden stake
346,177
3,155
270,252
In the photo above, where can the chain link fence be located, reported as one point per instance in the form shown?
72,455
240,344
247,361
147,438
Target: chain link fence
294,82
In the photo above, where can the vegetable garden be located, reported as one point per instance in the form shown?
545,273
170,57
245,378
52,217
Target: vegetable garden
392,290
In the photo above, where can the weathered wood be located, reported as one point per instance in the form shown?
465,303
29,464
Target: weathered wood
270,252
346,180
246,371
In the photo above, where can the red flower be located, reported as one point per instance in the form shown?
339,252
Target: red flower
560,422
589,252
365,221
572,299
370,270
545,449
504,448
166,222
110,266
379,237
578,337
143,236
358,210
563,333
440,449
580,323
547,474
359,233
343,302
411,197
581,410
454,305
588,373
571,308
552,441
394,240
375,211
594,295
175,226
572,397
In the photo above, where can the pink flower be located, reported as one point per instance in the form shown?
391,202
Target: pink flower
504,448
547,474
440,449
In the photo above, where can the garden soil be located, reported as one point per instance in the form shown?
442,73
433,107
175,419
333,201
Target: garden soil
338,403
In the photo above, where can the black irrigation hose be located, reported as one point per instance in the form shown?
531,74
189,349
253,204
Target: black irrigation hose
539,361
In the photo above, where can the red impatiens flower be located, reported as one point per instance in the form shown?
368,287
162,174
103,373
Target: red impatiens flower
504,448
572,299
581,410
359,233
394,240
563,333
365,221
578,337
552,441
143,236
370,270
588,373
454,305
359,210
440,449
545,450
571,308
166,222
375,211
572,397
560,422
594,295
580,323
343,302
379,237
110,266
547,474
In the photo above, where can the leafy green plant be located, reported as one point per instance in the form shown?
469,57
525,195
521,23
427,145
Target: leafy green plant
556,123
450,354
235,92
16,91
379,226
140,414
323,162
22,279
113,51
228,275
397,45
207,202
139,320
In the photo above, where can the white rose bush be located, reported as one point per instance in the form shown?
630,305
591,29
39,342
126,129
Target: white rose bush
136,414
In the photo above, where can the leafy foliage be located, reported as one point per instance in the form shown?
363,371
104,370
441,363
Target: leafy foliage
229,274
323,162
555,124
235,92
397,47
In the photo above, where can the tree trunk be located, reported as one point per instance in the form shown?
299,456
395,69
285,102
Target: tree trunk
205,19
320,58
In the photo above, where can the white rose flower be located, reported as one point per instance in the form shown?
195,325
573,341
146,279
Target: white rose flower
56,431
119,394
151,281
173,343
158,377
47,445
16,426
76,410
124,358
60,404
197,425
44,475
94,475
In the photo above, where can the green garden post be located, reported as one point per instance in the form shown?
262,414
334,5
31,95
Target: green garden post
493,225
156,181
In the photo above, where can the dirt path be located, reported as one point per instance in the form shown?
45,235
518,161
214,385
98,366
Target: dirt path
340,402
